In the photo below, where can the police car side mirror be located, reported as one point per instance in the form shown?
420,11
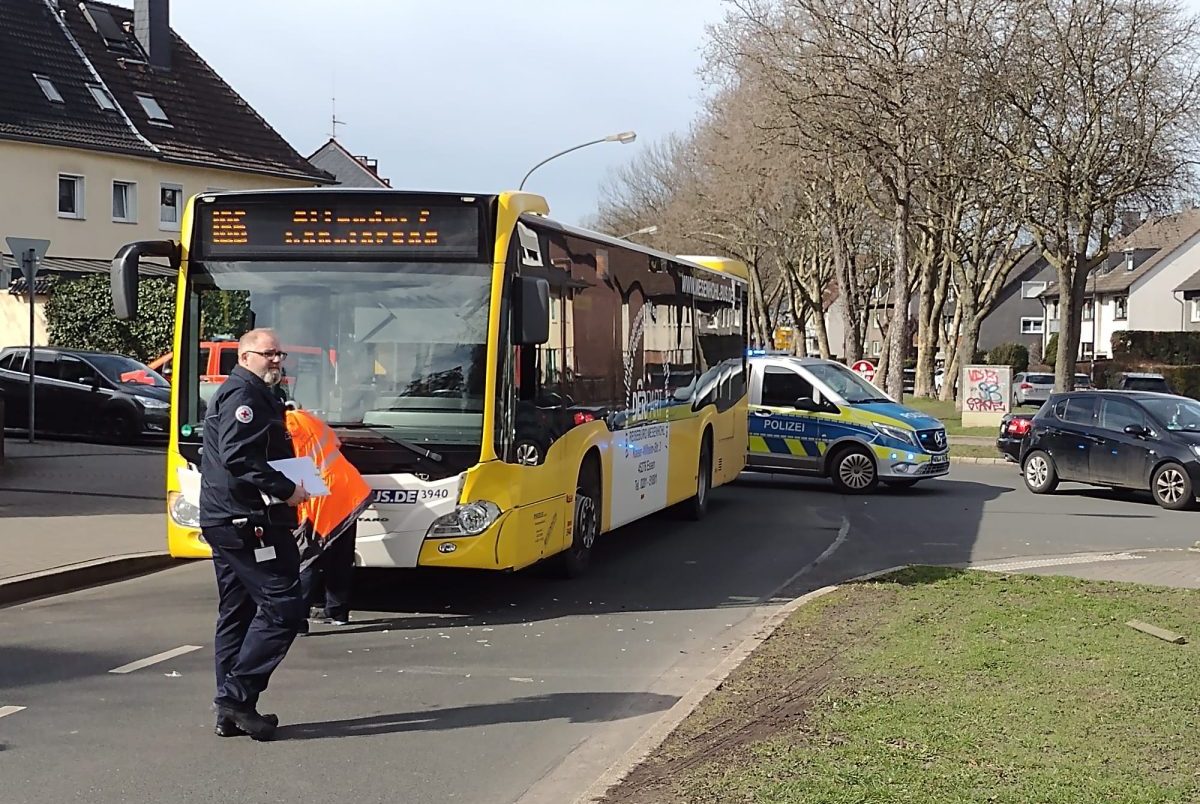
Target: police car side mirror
807,404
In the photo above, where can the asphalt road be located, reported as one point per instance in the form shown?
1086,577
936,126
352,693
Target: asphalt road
484,688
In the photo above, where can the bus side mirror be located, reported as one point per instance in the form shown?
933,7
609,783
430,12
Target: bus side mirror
124,276
532,309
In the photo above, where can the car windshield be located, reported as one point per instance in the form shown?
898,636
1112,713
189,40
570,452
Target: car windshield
126,371
846,384
1175,413
399,347
1040,379
1145,384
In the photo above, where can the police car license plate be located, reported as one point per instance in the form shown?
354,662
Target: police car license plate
939,460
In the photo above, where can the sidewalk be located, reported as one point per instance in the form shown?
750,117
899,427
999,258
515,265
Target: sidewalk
65,503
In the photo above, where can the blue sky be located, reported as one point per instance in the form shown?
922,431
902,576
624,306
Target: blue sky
464,94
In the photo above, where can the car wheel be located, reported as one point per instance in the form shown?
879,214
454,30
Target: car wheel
900,484
574,561
1039,473
853,471
528,452
1172,487
697,506
117,428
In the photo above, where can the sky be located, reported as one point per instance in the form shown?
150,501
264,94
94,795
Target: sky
465,95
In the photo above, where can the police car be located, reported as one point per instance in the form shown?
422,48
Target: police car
818,417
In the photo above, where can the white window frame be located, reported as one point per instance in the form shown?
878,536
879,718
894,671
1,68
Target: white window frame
131,209
1196,310
48,89
103,97
1027,286
1117,314
1026,325
78,214
166,225
876,349
1088,313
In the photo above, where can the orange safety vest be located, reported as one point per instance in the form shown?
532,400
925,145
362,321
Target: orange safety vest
348,494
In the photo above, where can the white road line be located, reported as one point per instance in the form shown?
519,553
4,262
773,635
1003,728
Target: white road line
155,659
5,711
1016,566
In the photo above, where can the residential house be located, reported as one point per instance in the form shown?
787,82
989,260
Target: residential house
1141,286
1018,315
347,169
108,122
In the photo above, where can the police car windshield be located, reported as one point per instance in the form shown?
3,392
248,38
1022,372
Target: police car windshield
846,384
399,346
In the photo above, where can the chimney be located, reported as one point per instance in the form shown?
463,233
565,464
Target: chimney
152,26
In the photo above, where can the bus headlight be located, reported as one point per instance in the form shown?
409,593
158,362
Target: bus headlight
182,511
471,519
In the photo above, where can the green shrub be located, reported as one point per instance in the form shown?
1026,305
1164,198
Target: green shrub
1050,355
1184,380
1010,354
79,315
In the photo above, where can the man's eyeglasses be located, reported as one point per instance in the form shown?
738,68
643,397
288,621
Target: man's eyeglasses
270,354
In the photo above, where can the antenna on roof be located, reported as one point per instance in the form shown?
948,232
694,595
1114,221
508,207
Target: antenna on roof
333,118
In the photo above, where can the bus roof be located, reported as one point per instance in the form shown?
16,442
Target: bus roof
724,265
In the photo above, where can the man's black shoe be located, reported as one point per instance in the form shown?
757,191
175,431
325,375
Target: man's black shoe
245,721
227,728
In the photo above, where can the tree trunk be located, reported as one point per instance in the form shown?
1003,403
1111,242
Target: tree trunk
822,336
1070,317
953,351
842,266
898,329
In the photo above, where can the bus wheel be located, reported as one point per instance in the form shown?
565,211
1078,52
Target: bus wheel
574,561
697,506
853,471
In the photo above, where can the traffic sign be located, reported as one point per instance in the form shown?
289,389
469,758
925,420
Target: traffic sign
865,369
27,253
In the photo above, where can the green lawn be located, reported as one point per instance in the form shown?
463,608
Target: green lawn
946,412
935,686
974,451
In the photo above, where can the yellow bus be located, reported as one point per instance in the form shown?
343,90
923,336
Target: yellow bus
510,387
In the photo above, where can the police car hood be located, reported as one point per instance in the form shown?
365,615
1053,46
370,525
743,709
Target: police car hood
891,410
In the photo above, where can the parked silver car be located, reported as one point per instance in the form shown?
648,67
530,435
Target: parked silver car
1030,388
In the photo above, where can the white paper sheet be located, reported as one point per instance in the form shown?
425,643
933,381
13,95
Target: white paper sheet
297,470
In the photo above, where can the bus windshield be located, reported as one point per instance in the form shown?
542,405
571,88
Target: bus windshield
398,347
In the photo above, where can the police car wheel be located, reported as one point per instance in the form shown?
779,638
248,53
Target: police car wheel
853,472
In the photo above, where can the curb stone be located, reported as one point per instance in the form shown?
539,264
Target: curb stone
670,720
984,461
73,577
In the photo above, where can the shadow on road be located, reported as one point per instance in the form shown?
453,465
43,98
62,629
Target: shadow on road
575,707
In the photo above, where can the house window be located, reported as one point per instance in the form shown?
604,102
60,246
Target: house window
170,206
48,89
70,196
1052,310
1032,326
1086,348
1088,310
1120,307
153,110
103,99
875,349
1030,290
1196,310
124,207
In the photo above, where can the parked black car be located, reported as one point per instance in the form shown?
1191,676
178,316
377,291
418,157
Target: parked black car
1014,427
84,393
1141,381
1121,439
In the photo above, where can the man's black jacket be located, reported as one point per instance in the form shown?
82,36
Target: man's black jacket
243,429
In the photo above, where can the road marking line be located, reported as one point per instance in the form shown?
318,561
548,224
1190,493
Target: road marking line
1016,566
155,659
5,711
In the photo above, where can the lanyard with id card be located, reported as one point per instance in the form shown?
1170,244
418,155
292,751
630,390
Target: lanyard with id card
264,552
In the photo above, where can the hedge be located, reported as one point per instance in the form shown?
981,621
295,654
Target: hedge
1167,348
1010,354
79,316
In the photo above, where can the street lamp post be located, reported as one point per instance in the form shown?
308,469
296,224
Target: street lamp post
623,137
645,230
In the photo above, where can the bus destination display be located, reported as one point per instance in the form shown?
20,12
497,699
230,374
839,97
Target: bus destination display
339,227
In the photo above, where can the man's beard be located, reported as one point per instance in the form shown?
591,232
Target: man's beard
272,376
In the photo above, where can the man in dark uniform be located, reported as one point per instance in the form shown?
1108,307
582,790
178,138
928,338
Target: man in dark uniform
247,516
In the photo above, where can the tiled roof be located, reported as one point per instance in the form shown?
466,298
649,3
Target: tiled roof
1190,285
1160,236
348,169
209,123
70,265
32,40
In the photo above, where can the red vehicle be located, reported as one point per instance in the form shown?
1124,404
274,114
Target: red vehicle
217,359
